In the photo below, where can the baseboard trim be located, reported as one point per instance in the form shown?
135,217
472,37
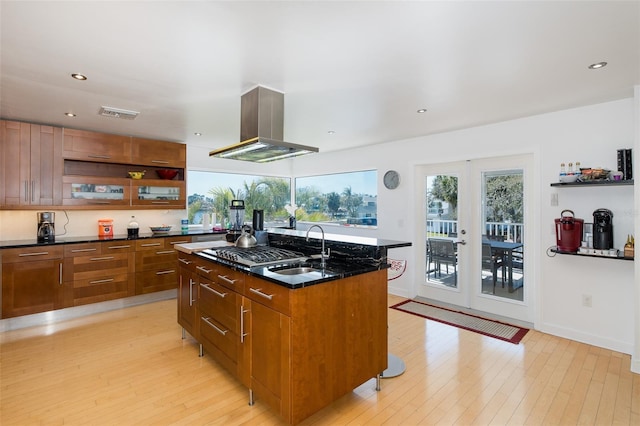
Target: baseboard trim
59,315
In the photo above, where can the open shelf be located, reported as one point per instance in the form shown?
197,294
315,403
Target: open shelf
595,183
553,250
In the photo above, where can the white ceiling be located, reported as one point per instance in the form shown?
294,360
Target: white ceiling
359,68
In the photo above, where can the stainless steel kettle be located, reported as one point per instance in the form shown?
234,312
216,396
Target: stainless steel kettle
246,239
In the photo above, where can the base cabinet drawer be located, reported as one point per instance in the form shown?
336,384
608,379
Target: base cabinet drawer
103,288
220,342
157,280
219,303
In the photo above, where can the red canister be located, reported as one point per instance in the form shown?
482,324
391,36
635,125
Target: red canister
568,232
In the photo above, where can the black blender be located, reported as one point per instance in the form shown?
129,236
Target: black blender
602,229
236,217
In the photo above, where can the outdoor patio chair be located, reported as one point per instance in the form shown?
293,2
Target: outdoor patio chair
443,251
491,263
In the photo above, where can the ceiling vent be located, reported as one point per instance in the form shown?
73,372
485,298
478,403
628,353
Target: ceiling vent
118,113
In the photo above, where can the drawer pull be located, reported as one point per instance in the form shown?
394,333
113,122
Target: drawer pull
40,253
150,245
119,247
180,242
260,293
104,157
171,271
227,279
219,330
159,202
185,261
98,259
217,293
160,161
166,252
107,280
83,250
203,269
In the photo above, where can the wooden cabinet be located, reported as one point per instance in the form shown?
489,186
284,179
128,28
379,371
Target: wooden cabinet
158,153
188,293
96,272
31,280
97,147
31,162
157,264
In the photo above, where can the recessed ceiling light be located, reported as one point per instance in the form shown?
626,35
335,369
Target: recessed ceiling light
597,65
69,114
198,134
332,132
421,111
79,76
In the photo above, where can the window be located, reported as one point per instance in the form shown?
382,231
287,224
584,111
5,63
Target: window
211,192
348,199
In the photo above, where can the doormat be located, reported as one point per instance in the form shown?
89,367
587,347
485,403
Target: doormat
508,333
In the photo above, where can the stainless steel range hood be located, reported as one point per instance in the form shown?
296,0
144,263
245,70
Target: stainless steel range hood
261,130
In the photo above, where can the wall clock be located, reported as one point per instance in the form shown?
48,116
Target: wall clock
391,179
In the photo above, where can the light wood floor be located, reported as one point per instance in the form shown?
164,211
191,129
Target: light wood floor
131,367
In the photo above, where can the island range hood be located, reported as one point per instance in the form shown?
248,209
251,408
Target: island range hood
261,130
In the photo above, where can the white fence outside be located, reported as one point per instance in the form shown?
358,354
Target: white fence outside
444,228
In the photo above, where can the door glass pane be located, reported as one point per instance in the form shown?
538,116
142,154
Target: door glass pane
442,227
97,192
503,234
158,193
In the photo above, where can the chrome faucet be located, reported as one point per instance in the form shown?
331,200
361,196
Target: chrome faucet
323,256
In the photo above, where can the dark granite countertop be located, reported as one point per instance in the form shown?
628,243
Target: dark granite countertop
335,269
33,242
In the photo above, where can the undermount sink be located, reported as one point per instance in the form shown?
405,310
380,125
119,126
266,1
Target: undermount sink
296,270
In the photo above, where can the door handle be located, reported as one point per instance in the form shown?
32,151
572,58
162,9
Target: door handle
462,242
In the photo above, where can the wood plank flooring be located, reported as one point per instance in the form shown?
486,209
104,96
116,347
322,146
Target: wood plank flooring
131,367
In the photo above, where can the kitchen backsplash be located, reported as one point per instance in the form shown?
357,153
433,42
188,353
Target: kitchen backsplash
21,224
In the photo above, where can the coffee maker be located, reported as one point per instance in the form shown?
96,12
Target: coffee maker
602,229
46,228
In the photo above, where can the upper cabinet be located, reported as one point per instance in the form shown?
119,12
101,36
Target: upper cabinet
92,146
31,159
158,153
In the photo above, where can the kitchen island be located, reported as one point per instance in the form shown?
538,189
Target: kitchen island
298,342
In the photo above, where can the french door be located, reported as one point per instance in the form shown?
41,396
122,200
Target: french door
475,215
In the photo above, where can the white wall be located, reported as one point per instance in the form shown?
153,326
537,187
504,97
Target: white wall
590,135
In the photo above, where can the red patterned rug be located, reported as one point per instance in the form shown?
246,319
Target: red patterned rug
499,330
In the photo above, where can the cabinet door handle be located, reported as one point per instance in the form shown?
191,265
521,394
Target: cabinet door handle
107,280
219,330
60,274
185,261
242,333
260,293
170,271
203,269
83,250
166,252
214,291
191,283
149,245
159,202
40,253
119,247
104,157
160,161
26,191
33,190
99,259
227,279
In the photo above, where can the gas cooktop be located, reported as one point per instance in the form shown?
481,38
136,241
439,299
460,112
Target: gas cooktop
256,256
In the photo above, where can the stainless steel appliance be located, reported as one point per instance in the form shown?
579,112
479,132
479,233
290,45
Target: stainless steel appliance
256,256
46,227
602,229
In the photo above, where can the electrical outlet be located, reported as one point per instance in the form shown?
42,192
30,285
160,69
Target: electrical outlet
586,300
554,200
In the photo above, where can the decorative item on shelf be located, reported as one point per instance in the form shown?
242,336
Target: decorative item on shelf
166,174
160,229
629,247
137,175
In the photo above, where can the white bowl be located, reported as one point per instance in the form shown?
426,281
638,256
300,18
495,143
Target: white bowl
568,178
